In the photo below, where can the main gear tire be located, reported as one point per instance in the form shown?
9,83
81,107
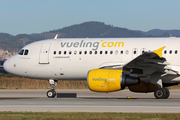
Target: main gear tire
160,93
167,93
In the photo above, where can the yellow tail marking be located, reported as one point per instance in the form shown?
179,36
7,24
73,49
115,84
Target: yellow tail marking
159,51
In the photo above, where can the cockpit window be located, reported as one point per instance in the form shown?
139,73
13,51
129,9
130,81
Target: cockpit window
21,52
26,52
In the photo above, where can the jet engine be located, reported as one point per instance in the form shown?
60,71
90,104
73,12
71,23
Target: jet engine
108,80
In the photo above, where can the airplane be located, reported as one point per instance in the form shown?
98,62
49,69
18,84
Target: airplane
108,64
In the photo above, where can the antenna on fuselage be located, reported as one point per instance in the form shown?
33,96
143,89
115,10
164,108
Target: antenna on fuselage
56,36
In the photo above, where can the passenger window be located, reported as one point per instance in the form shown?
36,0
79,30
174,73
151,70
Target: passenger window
121,52
54,52
90,52
80,52
176,51
59,52
116,52
165,52
111,52
70,52
26,52
170,51
65,52
127,51
100,52
95,52
75,52
85,52
106,52
21,52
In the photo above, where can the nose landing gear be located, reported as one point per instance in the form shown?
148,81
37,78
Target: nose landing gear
52,93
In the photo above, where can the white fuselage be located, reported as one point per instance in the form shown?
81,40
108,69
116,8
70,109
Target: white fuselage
72,58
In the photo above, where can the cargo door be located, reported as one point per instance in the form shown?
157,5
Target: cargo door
44,53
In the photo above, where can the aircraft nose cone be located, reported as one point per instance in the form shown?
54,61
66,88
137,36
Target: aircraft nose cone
6,65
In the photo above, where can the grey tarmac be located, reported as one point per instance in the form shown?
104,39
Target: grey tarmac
88,101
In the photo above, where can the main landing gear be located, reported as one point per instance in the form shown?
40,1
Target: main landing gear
52,93
161,93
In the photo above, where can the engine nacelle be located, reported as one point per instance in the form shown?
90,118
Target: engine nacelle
143,87
108,80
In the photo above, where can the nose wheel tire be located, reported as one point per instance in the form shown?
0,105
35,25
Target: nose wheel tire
51,93
161,93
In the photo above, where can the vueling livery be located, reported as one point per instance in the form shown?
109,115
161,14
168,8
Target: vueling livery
94,45
109,64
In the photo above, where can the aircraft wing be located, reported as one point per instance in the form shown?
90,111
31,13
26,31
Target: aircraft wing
148,63
145,64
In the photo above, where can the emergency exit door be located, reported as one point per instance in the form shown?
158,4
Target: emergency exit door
44,54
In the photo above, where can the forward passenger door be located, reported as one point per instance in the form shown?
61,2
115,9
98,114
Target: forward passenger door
44,53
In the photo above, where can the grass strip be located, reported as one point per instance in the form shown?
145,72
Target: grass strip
8,81
85,116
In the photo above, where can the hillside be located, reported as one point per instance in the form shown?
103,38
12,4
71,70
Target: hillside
86,29
95,30
161,33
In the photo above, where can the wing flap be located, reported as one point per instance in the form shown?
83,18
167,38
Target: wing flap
149,62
